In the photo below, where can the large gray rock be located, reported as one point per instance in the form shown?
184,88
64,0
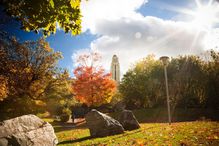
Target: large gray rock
27,130
101,125
128,120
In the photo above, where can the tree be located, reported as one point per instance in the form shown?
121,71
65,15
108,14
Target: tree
141,86
212,71
44,15
59,94
92,85
187,81
27,69
28,66
3,88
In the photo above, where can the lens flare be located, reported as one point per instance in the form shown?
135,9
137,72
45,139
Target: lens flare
205,16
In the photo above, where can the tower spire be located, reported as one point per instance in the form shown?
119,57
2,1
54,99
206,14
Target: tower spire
115,69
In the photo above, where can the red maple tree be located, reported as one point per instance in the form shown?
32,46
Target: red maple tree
92,85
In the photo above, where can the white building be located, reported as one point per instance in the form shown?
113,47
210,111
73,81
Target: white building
115,69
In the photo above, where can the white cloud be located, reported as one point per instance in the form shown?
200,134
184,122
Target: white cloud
157,36
94,11
131,36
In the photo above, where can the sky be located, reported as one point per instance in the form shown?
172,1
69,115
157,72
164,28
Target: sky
133,29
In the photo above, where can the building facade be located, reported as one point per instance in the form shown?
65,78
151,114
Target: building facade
115,69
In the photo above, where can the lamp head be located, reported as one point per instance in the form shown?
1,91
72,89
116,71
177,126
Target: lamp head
165,60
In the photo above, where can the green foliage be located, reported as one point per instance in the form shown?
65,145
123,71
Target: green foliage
65,115
141,86
160,115
36,15
59,94
117,97
193,82
66,111
187,81
212,71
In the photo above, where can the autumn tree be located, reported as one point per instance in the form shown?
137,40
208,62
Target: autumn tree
27,69
92,85
36,15
27,66
3,88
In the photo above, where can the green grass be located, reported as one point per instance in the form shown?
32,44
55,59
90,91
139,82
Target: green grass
151,133
183,133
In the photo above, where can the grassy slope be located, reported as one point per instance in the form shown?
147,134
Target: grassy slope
181,133
184,133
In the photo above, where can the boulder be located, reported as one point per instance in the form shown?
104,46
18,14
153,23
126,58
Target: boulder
27,130
128,120
101,125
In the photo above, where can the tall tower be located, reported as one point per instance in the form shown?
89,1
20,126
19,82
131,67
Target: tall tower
115,69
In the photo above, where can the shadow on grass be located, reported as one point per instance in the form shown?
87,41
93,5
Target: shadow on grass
76,140
59,126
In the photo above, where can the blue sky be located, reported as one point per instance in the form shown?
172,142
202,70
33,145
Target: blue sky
132,29
65,43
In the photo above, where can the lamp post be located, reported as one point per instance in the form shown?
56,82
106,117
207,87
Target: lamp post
165,60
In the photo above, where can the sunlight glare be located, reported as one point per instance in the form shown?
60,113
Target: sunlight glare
211,40
205,17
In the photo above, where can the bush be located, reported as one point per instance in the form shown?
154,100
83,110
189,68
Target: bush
66,115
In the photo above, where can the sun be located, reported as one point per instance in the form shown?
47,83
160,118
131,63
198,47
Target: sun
205,16
204,20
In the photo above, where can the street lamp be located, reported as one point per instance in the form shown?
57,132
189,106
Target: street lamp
165,60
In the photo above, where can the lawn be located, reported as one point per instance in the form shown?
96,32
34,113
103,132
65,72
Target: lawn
182,133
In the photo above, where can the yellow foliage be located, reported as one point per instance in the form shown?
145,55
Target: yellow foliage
13,70
62,102
75,3
37,88
3,88
27,70
40,103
